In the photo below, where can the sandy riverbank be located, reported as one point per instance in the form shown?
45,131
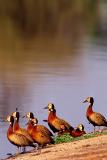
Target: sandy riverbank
88,149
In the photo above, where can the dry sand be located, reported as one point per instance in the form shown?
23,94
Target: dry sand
88,149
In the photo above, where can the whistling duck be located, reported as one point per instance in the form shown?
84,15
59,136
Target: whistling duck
56,124
79,131
17,128
17,139
40,137
42,128
96,119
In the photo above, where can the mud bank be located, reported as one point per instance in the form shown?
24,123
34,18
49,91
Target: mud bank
87,149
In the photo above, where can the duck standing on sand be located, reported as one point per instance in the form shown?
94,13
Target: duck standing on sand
96,119
56,124
39,136
17,139
17,127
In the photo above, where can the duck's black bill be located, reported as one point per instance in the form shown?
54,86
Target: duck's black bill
45,120
46,107
85,101
24,116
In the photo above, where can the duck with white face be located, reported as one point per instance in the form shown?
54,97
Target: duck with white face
57,124
95,118
30,115
40,127
17,139
40,134
79,131
80,127
17,127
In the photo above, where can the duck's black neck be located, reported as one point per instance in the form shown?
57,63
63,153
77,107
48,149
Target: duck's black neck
91,104
17,120
53,112
11,124
91,101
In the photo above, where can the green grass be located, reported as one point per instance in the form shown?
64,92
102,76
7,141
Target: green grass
67,138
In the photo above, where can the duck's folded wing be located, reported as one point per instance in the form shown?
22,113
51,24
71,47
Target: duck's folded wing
19,139
98,119
58,123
